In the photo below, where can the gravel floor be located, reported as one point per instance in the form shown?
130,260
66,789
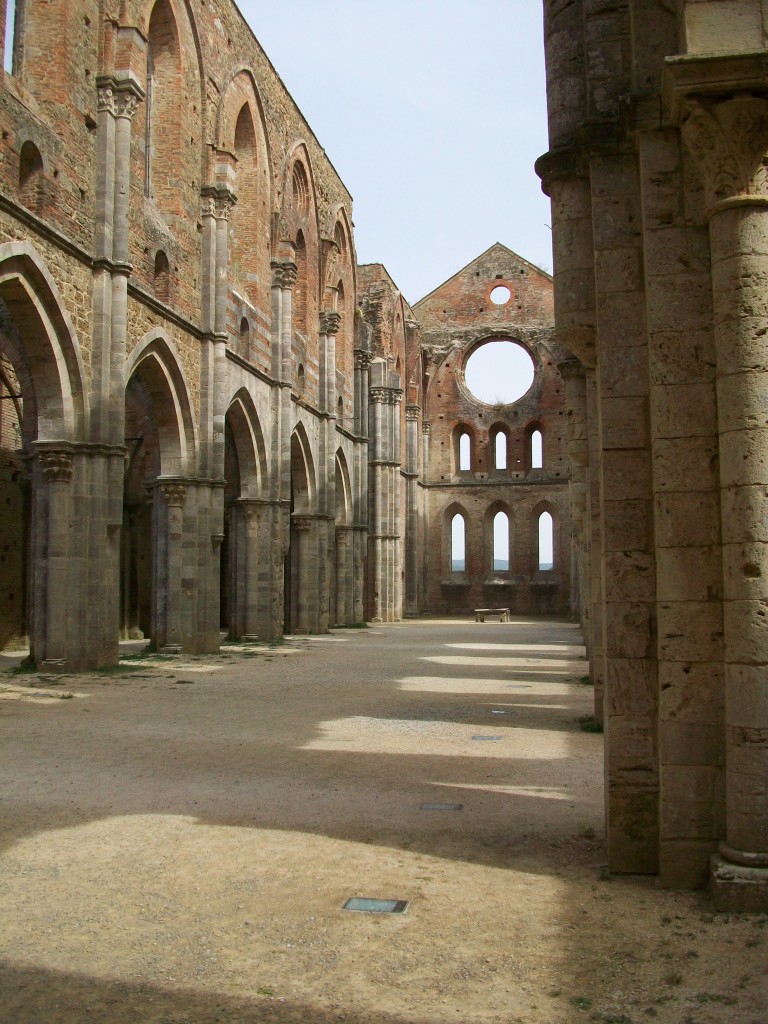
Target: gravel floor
178,838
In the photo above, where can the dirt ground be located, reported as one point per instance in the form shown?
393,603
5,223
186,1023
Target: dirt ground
178,838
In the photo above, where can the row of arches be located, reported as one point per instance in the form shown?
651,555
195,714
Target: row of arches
497,543
46,457
500,449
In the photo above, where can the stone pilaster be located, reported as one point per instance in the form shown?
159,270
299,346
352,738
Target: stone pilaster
413,533
728,137
284,274
167,627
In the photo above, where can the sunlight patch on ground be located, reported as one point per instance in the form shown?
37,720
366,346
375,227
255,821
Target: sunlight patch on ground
540,792
531,649
555,666
406,736
441,685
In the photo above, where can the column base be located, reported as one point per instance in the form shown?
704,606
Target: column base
53,665
170,649
737,888
249,638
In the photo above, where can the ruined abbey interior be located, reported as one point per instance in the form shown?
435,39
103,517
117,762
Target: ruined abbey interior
214,422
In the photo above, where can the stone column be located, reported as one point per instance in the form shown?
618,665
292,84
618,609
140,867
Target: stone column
412,531
572,373
168,515
362,375
284,273
55,621
728,138
304,572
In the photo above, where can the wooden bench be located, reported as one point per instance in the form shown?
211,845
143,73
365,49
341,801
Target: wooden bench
480,614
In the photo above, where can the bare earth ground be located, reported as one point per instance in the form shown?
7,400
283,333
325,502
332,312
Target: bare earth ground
178,839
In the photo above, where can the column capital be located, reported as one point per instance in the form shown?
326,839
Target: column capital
284,273
217,201
118,96
728,140
362,359
412,413
379,395
330,322
174,491
56,463
302,522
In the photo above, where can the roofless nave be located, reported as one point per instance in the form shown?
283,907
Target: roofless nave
213,417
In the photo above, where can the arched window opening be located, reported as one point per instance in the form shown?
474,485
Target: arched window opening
300,188
300,288
340,412
245,222
465,452
501,542
31,177
546,542
340,239
245,333
300,379
11,42
163,109
458,543
500,450
537,450
162,283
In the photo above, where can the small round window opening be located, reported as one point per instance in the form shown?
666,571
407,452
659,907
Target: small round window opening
500,295
499,372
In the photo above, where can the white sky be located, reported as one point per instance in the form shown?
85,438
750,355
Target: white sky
432,112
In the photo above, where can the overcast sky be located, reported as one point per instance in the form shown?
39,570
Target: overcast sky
432,112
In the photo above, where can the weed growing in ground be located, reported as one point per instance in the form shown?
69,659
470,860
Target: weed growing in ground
588,723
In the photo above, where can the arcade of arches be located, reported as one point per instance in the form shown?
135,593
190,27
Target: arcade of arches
215,422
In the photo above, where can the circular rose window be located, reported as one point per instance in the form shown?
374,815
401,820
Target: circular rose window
500,295
499,372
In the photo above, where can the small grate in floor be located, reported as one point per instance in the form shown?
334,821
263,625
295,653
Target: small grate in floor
487,739
368,906
441,807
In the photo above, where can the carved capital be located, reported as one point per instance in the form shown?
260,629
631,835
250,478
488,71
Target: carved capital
105,99
379,395
728,139
330,322
362,359
57,465
412,413
284,273
302,523
251,511
174,492
425,427
126,103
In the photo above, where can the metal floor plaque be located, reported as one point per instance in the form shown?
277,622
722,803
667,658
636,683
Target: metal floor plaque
487,739
368,906
441,807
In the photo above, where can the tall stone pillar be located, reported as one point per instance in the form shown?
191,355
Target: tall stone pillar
284,273
578,452
728,138
305,583
57,469
168,533
330,322
413,539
